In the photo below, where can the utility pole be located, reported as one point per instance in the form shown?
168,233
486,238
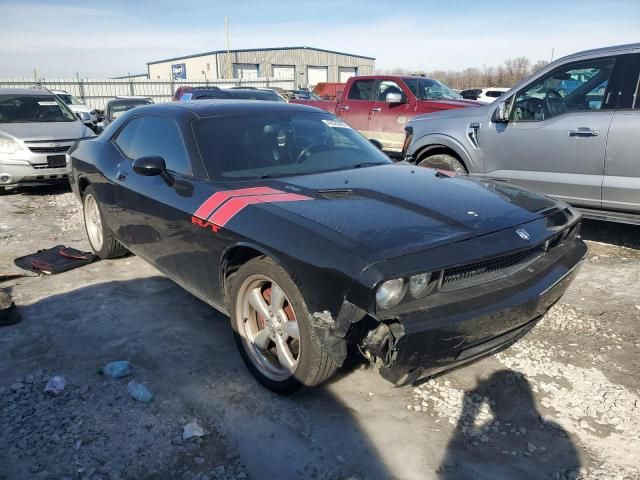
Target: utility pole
226,28
552,52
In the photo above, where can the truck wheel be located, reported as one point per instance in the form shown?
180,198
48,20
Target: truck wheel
273,331
443,161
101,238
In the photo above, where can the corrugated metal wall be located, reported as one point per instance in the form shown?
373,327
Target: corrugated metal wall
301,58
96,93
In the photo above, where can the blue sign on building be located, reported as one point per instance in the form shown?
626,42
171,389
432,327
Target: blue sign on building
179,71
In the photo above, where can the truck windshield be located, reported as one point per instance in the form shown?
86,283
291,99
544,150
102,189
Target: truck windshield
69,99
34,108
276,144
428,89
118,108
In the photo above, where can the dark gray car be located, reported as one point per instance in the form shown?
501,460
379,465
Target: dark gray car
571,130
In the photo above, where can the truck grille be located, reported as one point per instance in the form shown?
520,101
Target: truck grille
487,270
49,149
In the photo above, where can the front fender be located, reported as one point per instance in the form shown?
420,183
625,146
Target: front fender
435,140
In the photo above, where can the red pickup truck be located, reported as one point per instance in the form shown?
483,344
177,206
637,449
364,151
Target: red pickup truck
379,106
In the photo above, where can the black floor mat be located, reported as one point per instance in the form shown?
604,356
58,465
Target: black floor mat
55,260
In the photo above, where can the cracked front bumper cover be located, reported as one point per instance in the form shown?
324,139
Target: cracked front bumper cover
444,336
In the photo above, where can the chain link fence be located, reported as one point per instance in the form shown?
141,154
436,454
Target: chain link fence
96,93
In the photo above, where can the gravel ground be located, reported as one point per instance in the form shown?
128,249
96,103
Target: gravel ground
562,403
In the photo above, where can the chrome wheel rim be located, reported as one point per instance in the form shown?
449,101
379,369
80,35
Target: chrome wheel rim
268,327
93,222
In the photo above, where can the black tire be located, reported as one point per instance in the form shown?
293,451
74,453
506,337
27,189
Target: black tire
110,247
442,161
314,365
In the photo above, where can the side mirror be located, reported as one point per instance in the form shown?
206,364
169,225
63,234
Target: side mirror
394,98
500,115
376,143
152,166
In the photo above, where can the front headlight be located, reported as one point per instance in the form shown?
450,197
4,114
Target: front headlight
84,116
420,285
8,145
391,293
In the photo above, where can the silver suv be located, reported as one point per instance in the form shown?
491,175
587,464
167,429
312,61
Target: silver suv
36,130
571,130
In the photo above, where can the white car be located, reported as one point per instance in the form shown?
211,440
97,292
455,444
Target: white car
484,95
87,115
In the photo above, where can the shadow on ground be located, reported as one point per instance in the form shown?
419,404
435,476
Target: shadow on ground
619,234
45,189
184,351
479,450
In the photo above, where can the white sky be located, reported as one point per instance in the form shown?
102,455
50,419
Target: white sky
110,38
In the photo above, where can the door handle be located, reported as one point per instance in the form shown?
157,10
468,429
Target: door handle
345,108
583,132
376,109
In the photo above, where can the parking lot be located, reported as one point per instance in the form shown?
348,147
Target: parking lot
562,403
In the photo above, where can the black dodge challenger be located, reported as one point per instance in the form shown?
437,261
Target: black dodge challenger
316,244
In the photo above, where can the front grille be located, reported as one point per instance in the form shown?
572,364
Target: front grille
487,270
49,149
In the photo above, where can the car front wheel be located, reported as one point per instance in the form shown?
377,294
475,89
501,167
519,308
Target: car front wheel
273,331
101,238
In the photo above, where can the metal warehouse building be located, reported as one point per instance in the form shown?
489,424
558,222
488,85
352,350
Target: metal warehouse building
308,66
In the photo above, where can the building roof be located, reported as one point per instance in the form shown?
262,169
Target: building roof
257,50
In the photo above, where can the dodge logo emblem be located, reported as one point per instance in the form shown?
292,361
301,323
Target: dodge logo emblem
523,234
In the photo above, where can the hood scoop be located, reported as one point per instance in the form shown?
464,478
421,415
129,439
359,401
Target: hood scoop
336,193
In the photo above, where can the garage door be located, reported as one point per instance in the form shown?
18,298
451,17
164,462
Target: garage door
245,70
284,71
345,73
316,75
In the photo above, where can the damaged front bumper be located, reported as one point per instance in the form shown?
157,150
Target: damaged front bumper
469,324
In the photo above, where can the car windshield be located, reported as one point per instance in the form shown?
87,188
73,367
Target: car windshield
273,144
34,108
428,89
118,108
68,99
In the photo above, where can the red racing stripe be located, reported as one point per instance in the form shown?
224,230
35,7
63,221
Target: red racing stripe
218,198
235,205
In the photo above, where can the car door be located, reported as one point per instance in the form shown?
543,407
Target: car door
155,216
556,136
621,184
356,104
388,119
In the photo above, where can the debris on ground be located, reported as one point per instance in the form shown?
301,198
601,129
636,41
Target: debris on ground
118,369
192,430
55,385
139,392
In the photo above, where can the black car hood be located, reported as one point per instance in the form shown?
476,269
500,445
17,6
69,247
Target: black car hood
398,209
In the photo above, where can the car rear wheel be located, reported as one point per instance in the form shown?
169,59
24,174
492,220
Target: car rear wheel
442,161
101,238
273,331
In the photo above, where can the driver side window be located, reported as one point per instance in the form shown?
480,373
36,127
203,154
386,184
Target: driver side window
580,86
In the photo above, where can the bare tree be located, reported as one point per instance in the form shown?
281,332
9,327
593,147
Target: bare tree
506,75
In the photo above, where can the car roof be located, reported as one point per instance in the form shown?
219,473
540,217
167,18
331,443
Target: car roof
603,50
208,108
129,100
24,91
